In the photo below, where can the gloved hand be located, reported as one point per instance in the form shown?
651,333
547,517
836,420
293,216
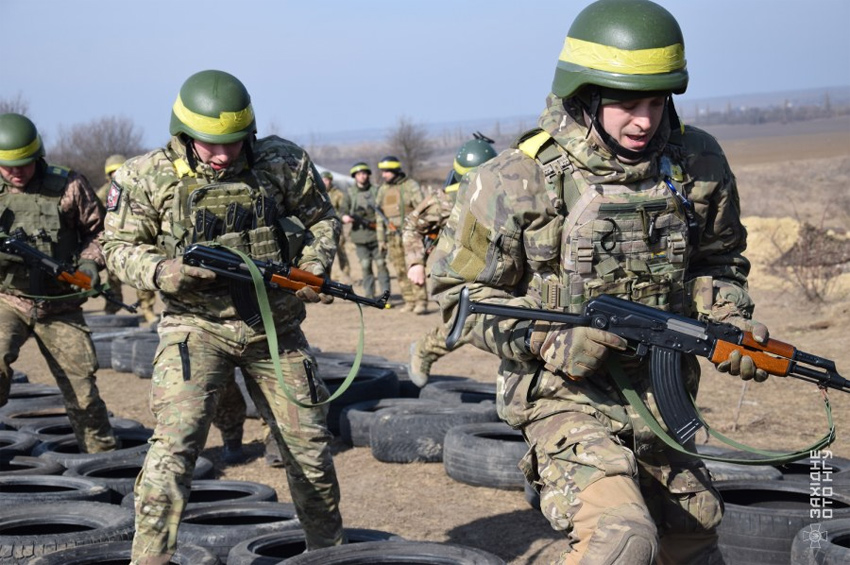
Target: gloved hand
578,352
382,247
89,268
173,276
743,365
9,259
307,294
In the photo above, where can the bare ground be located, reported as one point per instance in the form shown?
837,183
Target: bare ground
420,502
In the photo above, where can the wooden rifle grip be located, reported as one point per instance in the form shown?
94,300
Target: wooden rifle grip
76,278
772,346
768,363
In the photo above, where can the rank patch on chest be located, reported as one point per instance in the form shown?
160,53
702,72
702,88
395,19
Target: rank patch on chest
113,197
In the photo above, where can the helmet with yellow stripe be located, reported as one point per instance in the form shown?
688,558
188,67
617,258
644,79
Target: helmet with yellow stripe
473,153
633,45
214,107
20,143
113,163
360,166
389,163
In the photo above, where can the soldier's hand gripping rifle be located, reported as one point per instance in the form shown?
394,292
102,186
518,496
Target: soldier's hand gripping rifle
664,337
275,275
16,244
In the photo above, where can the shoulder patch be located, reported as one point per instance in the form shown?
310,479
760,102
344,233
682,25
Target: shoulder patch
58,170
113,197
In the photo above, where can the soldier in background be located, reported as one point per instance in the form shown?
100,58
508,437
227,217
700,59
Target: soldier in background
609,195
59,211
146,298
267,188
359,213
397,197
338,198
420,237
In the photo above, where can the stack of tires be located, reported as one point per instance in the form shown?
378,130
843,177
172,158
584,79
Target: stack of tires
59,505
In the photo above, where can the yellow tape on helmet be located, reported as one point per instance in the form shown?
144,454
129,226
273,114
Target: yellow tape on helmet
614,60
226,122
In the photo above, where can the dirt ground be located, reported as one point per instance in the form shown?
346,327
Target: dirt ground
420,502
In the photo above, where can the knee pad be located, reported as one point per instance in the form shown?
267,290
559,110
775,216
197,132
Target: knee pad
624,534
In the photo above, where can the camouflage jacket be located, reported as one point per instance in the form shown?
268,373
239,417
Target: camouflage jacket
506,231
422,227
358,204
397,199
141,219
337,197
81,220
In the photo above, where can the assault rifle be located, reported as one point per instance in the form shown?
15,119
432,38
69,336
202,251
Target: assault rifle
664,337
16,244
361,222
275,275
391,227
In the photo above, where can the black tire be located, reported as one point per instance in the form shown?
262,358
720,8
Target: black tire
122,353
355,420
103,344
59,428
120,552
406,437
270,549
461,391
19,377
485,455
822,543
14,443
219,527
97,322
36,489
762,518
119,475
16,415
26,392
144,350
794,471
720,471
392,552
210,492
370,383
31,530
67,452
25,465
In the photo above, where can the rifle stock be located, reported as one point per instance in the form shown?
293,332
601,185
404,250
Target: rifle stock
16,244
664,337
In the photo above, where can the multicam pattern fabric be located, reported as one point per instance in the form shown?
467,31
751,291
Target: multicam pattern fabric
202,338
423,225
338,198
512,240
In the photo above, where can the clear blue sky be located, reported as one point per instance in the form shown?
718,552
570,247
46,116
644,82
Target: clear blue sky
317,66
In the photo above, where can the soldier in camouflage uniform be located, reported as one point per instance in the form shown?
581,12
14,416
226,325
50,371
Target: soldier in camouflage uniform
420,234
215,182
338,197
609,195
359,212
59,211
398,197
146,298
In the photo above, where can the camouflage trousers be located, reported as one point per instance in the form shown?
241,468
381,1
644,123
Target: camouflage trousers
191,370
230,413
342,257
614,507
410,293
66,344
369,254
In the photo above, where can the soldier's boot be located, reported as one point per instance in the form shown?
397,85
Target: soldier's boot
232,452
407,307
273,457
419,366
421,307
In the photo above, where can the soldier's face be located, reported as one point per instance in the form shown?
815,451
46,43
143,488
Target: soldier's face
327,182
19,176
362,177
633,123
387,175
218,155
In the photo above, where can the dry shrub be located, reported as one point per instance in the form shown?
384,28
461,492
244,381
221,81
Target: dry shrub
815,262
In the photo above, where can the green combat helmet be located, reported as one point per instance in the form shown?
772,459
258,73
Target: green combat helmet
20,143
214,107
327,175
622,45
470,155
113,163
361,166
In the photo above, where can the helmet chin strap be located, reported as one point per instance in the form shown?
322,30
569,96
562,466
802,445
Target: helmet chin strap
592,111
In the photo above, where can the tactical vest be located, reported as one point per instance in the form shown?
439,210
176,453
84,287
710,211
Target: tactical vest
630,241
242,214
38,212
